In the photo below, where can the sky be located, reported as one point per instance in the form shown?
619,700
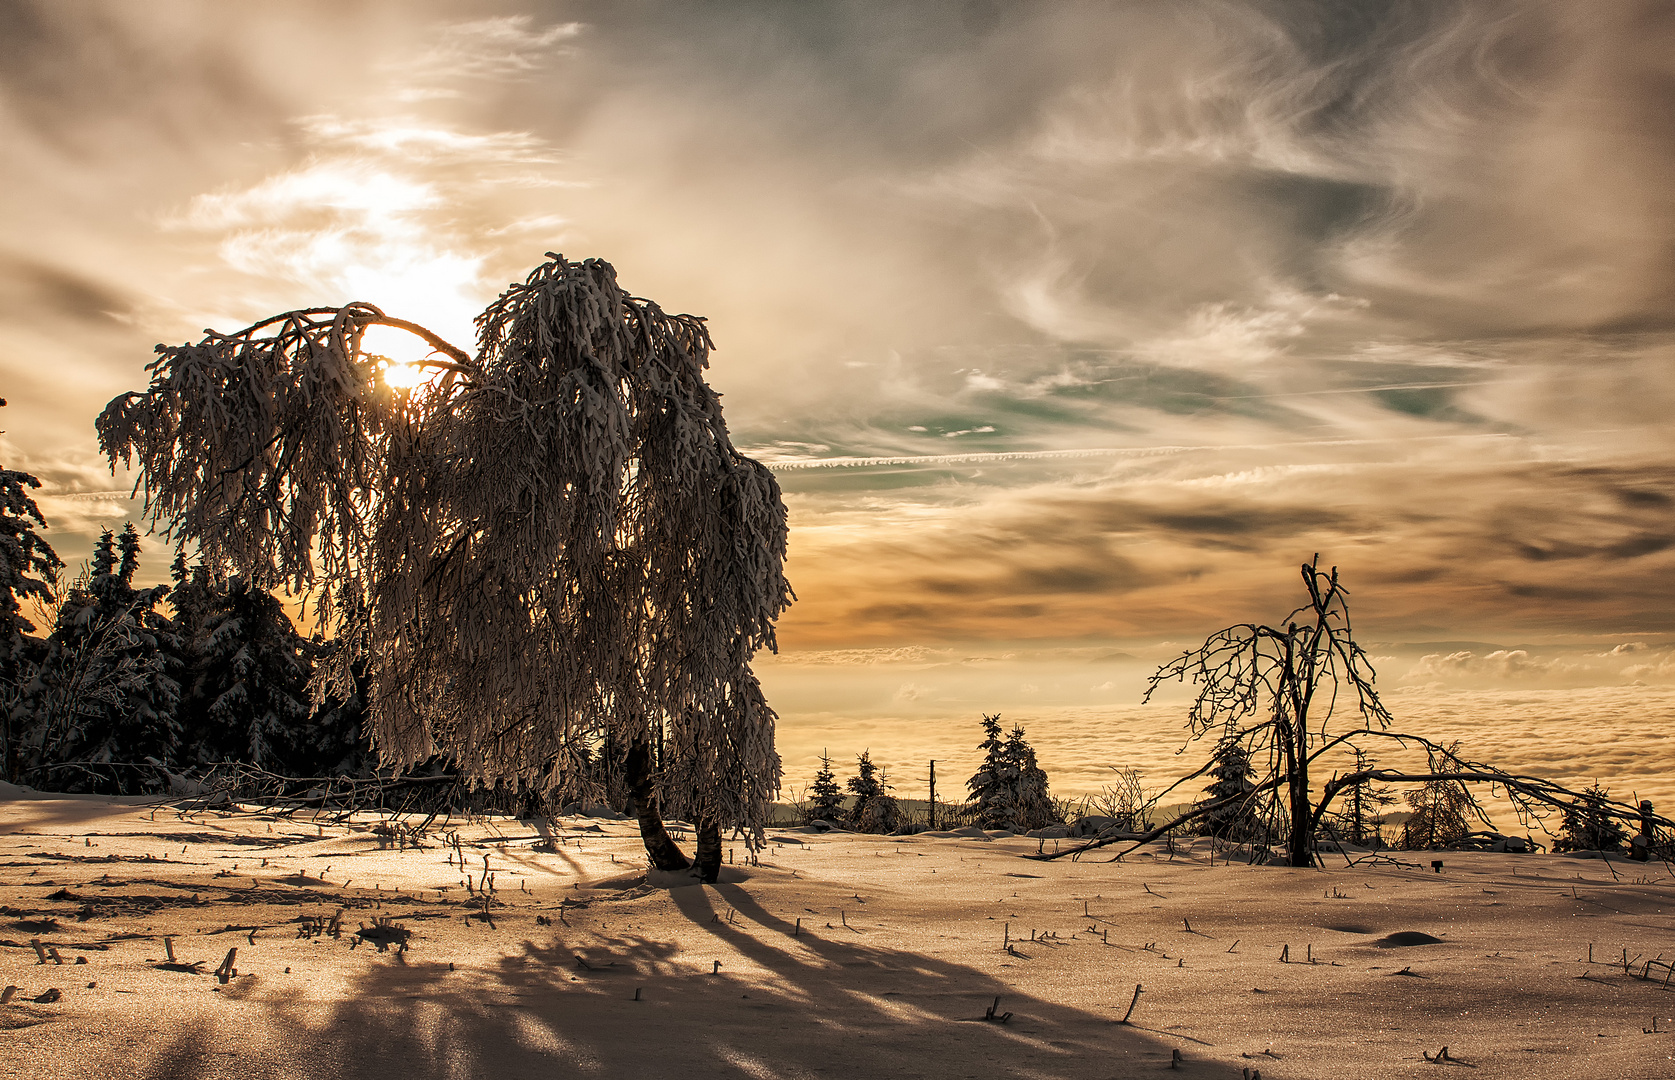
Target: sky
1071,330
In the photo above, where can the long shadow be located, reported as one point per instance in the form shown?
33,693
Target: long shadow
584,1003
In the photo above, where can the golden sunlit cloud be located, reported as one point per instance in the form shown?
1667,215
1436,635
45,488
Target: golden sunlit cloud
1059,323
354,230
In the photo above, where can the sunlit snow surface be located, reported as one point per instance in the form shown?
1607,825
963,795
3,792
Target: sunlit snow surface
841,955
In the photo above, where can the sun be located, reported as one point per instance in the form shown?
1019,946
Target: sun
399,354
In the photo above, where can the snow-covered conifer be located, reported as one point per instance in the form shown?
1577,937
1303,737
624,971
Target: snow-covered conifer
1032,803
1231,773
128,548
825,798
1589,826
1009,790
873,808
28,571
251,682
103,695
993,786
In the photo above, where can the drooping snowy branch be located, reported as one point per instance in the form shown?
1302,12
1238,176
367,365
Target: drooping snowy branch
551,554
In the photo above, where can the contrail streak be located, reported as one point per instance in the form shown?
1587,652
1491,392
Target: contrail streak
1087,452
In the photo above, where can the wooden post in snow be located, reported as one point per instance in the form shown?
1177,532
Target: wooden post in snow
933,794
1640,849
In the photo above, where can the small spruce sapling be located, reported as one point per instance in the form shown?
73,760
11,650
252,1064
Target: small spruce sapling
1589,826
874,809
825,798
1231,773
991,785
1010,789
1032,802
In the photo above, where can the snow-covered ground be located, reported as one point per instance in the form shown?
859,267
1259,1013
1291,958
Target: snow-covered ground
839,955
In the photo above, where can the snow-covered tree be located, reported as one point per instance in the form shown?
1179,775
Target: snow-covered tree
551,546
1231,775
872,809
104,689
1278,688
1589,825
244,674
28,571
825,798
1009,790
249,686
1032,802
992,796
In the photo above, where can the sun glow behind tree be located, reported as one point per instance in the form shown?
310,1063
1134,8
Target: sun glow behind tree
555,566
401,356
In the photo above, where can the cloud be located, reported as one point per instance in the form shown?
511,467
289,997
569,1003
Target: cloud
384,211
32,289
1173,544
1195,290
1071,329
505,48
1500,664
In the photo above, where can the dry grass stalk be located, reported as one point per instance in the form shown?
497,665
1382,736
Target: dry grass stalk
1135,1000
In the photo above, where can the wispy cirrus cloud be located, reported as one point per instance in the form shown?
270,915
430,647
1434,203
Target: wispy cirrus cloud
505,48
1059,321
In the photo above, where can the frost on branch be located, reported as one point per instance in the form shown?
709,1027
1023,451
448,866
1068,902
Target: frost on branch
548,555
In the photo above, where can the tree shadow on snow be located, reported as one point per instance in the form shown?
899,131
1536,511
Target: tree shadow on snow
577,1002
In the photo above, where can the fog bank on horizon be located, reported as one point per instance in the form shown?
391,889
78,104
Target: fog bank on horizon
1575,713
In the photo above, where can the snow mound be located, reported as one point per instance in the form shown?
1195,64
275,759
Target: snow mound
1401,939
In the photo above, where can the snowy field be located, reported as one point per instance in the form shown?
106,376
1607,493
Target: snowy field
839,955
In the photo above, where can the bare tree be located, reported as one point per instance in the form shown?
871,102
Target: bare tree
1360,820
1276,689
1532,797
550,552
1127,802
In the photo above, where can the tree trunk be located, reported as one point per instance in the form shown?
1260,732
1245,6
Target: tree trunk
1302,814
709,851
664,854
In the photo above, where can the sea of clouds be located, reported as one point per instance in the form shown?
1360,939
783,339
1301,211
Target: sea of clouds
1081,710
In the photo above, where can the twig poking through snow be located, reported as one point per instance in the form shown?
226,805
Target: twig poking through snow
1135,1000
